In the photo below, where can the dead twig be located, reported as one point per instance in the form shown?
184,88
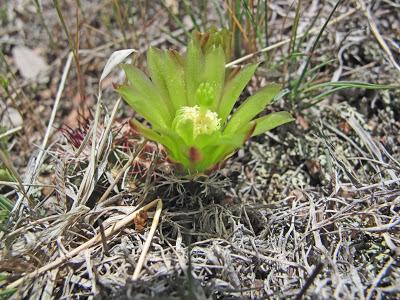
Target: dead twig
40,157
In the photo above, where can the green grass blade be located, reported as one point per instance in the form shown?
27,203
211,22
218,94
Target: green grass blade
352,84
314,46
334,87
6,204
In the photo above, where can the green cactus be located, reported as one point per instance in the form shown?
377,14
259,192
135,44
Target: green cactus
189,99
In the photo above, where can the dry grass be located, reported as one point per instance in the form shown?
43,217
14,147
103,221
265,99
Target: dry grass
310,210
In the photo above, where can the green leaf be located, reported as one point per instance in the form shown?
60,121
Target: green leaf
215,37
219,154
141,104
204,140
205,94
225,146
232,90
271,121
220,147
193,67
151,134
154,63
184,128
234,140
252,107
205,162
179,148
214,72
144,86
173,73
147,132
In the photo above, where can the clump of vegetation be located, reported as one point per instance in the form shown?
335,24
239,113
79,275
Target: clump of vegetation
189,99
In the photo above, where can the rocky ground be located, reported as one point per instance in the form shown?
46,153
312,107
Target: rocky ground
309,210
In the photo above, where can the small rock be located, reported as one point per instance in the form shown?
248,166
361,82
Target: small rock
29,63
11,117
173,5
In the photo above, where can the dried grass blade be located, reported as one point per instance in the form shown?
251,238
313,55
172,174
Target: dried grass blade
147,244
93,241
